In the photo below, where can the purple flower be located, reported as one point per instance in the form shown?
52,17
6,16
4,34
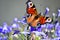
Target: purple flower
1,38
6,29
57,24
57,33
1,29
15,25
16,32
39,28
9,29
58,12
5,24
15,20
46,10
33,29
23,21
50,26
43,26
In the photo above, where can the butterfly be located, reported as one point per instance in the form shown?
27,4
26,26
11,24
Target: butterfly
34,17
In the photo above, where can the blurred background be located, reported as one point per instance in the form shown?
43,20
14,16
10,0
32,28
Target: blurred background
10,9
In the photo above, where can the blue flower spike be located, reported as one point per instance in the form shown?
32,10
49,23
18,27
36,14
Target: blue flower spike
5,29
58,12
1,29
47,10
56,24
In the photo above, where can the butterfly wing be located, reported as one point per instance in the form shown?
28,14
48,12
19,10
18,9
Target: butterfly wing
35,21
30,19
42,20
31,8
48,20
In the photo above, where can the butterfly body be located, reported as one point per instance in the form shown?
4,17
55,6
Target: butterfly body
35,22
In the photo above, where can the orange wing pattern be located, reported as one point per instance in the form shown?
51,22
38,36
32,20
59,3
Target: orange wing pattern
31,11
42,20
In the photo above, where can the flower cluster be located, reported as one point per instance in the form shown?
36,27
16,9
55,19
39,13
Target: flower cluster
45,31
